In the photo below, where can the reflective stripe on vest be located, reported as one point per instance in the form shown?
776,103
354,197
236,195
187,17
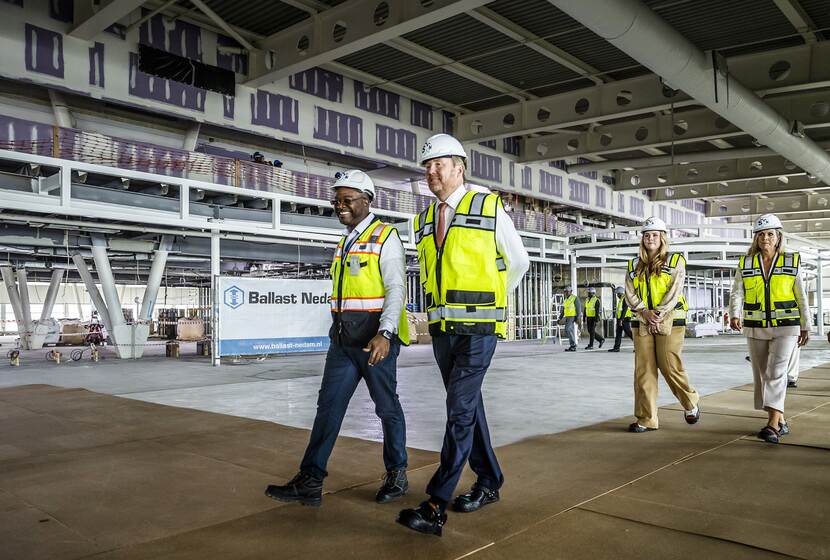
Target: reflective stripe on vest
591,306
465,280
770,302
569,306
652,289
358,284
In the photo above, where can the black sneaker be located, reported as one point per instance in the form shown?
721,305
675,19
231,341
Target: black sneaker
601,342
304,488
570,349
394,486
614,350
792,384
426,518
589,347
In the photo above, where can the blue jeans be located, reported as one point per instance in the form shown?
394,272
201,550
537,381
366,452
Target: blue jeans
345,367
463,361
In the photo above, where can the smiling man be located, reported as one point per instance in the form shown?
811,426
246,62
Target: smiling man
368,327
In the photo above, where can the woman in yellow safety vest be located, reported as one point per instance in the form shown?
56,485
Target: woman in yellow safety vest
769,304
654,292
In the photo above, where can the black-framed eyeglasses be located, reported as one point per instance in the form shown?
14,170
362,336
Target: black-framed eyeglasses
345,201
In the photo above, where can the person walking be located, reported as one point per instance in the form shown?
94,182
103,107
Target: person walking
470,257
368,327
622,317
654,292
593,318
768,303
571,311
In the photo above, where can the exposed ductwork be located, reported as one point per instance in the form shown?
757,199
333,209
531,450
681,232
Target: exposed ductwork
635,29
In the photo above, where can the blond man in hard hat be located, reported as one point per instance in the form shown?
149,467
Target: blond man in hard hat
470,257
769,304
368,327
654,291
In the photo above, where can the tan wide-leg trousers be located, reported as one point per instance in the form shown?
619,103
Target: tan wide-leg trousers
653,352
770,359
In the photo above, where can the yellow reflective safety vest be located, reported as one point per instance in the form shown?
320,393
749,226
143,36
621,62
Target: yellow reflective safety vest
651,289
770,302
591,306
357,289
569,306
620,314
464,281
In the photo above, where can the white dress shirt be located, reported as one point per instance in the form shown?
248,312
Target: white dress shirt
392,270
508,241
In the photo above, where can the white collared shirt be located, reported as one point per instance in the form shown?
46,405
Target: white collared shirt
392,271
508,241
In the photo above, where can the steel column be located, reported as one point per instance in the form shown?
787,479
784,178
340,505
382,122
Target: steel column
25,305
93,292
820,297
51,294
215,269
154,278
102,267
14,296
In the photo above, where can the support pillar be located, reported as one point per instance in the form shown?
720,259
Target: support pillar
40,329
573,274
14,300
215,261
820,297
78,302
191,137
154,279
62,115
93,292
25,304
102,267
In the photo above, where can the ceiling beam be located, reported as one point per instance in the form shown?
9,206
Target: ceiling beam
310,6
742,188
695,125
801,20
90,20
754,205
724,171
370,79
344,29
645,94
530,40
783,216
215,18
437,59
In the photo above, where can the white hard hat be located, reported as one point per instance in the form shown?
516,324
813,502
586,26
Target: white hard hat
441,145
767,221
355,179
592,290
654,224
620,289
567,289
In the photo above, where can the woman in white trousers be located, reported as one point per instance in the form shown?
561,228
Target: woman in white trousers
769,304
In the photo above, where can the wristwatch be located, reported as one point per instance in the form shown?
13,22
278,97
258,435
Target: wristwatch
386,334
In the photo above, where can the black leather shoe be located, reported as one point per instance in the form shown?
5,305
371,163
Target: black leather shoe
394,486
570,349
601,342
475,499
589,347
614,350
792,384
636,428
426,518
304,488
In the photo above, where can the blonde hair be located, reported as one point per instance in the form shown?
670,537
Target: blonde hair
755,248
652,265
458,160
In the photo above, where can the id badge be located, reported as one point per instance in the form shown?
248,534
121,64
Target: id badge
354,265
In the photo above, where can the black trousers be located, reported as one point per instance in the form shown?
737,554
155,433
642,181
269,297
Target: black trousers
623,325
593,322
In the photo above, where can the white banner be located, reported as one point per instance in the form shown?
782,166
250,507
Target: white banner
272,316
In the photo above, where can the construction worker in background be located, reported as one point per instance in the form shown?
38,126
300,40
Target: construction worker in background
369,325
470,257
622,318
571,310
593,318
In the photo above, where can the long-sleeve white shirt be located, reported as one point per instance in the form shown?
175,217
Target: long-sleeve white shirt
508,241
393,271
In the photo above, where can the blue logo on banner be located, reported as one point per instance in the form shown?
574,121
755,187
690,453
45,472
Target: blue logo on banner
234,297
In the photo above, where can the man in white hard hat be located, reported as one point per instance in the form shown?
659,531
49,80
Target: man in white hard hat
368,327
570,314
470,257
623,319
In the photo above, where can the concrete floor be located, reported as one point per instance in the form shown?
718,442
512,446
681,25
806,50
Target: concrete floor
531,388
